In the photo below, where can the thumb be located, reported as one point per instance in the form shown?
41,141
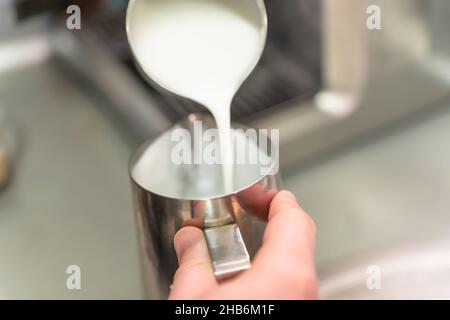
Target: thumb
195,273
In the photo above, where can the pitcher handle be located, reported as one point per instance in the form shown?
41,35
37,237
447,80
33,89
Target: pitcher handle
227,250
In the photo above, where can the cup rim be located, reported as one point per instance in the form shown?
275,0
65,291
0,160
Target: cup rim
134,158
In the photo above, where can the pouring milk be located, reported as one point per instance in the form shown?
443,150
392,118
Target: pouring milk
202,50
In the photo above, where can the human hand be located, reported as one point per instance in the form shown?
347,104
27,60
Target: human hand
283,268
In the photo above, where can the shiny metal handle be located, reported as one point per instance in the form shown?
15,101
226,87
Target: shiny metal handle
227,249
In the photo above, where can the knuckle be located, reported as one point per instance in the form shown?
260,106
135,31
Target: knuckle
310,223
305,284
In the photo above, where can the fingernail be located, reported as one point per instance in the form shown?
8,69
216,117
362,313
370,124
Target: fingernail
180,247
178,253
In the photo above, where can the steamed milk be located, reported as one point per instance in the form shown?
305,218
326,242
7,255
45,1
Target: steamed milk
202,50
156,171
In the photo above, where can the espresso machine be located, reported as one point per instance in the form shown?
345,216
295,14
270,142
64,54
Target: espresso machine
324,77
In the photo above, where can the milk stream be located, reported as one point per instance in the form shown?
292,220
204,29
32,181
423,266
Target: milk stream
202,50
222,117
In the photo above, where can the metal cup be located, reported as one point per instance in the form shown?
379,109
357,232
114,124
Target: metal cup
168,195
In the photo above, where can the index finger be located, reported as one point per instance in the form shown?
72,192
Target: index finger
289,242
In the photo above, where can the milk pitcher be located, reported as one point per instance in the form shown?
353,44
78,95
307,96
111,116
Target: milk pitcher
172,190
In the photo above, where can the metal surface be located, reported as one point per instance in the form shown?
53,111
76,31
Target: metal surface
380,194
289,67
254,11
227,250
371,78
414,271
379,77
383,201
68,202
366,83
233,223
126,96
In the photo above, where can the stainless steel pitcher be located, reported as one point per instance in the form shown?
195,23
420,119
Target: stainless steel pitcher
168,195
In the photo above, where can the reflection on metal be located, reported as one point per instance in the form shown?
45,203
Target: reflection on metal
336,104
227,249
24,52
414,272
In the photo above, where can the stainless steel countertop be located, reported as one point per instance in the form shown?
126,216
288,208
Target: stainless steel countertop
385,191
385,202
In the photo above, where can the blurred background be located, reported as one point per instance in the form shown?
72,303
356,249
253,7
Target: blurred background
364,119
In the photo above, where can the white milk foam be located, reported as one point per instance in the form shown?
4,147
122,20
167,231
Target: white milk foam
202,50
